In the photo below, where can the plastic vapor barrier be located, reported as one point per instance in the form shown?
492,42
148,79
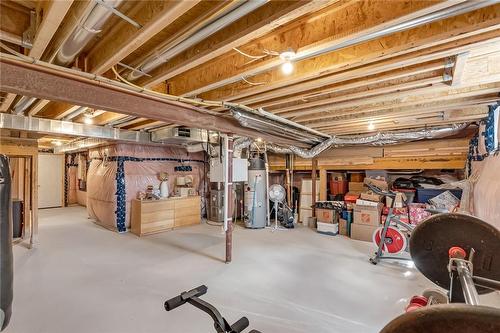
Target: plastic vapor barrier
142,164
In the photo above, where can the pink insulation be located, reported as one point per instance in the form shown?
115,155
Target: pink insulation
487,190
101,182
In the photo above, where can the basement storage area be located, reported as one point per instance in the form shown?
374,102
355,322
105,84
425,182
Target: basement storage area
250,166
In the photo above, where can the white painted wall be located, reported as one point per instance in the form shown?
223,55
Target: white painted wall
50,180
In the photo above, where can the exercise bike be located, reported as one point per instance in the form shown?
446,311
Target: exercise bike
460,254
220,324
393,237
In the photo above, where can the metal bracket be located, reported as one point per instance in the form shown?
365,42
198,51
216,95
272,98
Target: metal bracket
118,13
133,69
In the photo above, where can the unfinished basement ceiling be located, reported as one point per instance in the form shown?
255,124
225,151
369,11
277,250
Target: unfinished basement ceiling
357,67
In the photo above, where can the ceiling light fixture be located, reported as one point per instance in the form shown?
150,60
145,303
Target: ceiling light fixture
287,66
371,126
88,120
56,143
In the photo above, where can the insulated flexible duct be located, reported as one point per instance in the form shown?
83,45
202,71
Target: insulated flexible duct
6,267
377,139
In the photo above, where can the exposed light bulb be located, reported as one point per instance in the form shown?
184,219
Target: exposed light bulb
259,140
56,143
88,120
371,126
287,68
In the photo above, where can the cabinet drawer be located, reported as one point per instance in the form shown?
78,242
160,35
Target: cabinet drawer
187,220
157,216
157,226
189,203
148,207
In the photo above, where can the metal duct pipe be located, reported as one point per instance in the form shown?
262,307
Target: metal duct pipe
263,122
444,13
75,113
23,103
377,139
120,121
201,34
239,144
50,126
78,39
84,33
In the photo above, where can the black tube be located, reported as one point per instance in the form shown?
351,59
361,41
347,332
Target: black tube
177,301
240,325
6,266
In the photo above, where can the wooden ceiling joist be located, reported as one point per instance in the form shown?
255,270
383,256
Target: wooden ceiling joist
154,16
262,21
430,42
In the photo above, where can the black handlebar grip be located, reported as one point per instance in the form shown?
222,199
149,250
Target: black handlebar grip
174,302
240,325
177,301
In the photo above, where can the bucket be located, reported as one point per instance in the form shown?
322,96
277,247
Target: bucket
311,222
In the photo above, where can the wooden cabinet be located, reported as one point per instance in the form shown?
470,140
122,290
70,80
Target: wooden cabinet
149,217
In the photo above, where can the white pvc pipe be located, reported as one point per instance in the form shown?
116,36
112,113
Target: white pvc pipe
226,179
202,34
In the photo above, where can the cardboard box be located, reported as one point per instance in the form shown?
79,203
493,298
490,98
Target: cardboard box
399,200
368,215
326,215
356,187
380,183
344,227
362,202
351,197
362,232
370,196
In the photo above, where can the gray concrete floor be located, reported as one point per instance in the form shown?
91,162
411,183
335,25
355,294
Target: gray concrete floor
82,278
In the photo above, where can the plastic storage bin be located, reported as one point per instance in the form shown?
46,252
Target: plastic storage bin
424,194
331,229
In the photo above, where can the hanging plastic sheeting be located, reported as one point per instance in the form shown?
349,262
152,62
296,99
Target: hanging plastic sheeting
141,166
377,139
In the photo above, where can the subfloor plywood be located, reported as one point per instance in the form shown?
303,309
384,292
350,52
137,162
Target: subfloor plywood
82,278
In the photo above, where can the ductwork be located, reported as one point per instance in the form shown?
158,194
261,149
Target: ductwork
75,113
85,32
75,43
377,139
239,144
266,122
50,126
164,55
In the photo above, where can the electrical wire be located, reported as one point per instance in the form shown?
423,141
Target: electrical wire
248,55
198,102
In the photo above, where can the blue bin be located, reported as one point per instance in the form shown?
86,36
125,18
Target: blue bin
424,194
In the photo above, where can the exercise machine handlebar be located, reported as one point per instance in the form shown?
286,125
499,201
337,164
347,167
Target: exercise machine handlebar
181,299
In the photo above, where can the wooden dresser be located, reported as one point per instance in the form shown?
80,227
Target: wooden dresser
153,216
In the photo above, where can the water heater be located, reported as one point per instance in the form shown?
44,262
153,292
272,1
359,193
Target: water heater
255,194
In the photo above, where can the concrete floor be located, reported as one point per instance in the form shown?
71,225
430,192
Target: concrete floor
82,278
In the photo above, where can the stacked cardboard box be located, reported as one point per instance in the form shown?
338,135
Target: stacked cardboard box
367,211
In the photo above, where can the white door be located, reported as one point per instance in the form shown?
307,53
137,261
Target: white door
50,180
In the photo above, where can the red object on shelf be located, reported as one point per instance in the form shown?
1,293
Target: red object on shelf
351,197
338,186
